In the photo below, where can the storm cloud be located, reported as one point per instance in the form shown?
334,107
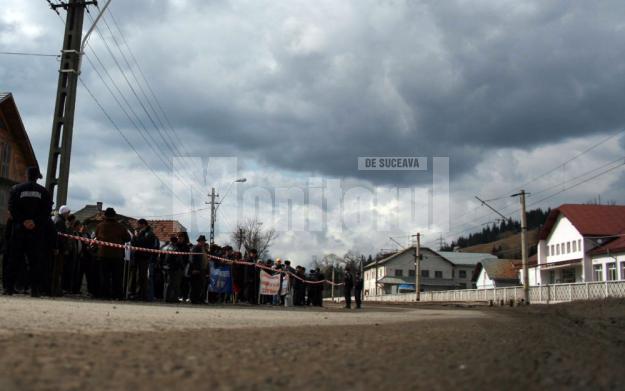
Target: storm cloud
504,88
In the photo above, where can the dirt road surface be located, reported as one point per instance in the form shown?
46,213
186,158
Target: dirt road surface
72,345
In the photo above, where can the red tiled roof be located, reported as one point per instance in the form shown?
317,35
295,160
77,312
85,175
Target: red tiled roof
164,229
501,269
589,220
615,246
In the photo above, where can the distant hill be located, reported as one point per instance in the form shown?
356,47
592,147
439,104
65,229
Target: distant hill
508,247
503,238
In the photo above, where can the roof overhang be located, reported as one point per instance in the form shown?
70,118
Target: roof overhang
561,264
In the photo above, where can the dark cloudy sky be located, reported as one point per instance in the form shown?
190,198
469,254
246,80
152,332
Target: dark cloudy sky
296,89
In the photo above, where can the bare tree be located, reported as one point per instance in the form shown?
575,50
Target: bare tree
251,235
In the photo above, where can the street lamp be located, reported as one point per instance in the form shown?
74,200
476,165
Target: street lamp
240,180
215,205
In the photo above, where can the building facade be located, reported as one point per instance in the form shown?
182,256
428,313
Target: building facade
396,273
496,273
16,152
580,243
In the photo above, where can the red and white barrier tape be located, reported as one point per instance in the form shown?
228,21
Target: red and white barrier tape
225,260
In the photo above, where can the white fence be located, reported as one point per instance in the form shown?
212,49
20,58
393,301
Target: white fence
555,293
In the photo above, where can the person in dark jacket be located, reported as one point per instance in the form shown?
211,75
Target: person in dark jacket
320,286
358,287
30,206
173,265
184,245
63,247
348,285
144,238
251,276
111,259
196,270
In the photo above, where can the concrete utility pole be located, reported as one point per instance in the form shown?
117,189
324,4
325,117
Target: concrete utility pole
333,267
417,263
526,285
213,205
57,174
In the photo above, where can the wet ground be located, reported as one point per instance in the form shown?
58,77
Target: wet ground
70,344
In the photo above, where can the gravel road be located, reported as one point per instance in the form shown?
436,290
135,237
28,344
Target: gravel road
71,345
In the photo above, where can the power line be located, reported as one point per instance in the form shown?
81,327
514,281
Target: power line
115,97
163,112
108,116
31,54
145,134
168,143
583,152
580,183
473,225
178,214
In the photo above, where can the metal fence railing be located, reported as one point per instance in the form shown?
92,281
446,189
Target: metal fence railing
555,293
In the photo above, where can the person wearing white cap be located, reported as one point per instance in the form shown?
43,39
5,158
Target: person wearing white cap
60,224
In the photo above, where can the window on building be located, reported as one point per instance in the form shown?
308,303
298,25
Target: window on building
5,159
611,268
579,244
568,275
598,272
575,246
568,247
552,276
462,273
399,273
412,273
425,273
622,270
438,274
548,249
557,249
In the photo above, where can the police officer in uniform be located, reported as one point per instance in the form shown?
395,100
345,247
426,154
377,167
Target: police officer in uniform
30,206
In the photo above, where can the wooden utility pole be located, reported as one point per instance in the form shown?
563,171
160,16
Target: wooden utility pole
526,285
417,262
57,175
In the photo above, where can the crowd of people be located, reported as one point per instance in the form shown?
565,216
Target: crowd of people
38,259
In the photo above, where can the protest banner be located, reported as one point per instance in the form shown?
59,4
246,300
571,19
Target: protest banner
220,279
269,284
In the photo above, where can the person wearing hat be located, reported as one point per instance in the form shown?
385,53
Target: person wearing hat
144,238
62,245
196,271
110,259
30,205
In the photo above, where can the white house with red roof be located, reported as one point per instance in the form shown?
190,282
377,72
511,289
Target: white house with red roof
581,243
